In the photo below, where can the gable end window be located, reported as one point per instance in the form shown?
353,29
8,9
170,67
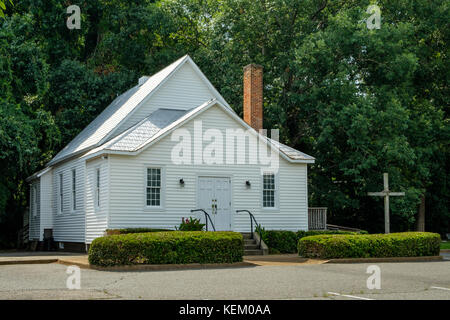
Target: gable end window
153,188
74,190
269,190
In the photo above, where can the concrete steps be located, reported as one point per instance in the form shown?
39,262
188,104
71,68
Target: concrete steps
251,247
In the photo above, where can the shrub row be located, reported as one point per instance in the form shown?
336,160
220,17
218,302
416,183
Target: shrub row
176,247
282,241
110,232
405,244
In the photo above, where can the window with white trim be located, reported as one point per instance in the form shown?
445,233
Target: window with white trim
31,201
153,188
61,199
269,190
35,201
74,189
97,187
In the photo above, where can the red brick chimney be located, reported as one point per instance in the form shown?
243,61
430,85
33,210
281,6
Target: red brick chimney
253,96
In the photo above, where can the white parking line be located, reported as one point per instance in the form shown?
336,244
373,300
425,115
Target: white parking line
349,296
440,288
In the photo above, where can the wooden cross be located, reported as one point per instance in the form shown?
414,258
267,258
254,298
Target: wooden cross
386,194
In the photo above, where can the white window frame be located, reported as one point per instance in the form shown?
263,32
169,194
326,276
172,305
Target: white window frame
73,183
60,193
162,187
276,191
97,188
31,202
35,200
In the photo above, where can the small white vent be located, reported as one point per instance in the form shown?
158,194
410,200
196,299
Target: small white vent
142,80
61,245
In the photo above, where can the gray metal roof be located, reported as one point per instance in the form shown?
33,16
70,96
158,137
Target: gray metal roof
291,152
144,130
105,123
92,135
161,121
100,134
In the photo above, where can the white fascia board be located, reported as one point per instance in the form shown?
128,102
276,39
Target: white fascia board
185,59
208,83
182,61
162,133
253,131
38,174
189,116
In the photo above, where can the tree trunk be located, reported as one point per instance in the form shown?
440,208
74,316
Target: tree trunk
420,226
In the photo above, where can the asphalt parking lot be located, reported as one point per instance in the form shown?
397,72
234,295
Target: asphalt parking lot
417,280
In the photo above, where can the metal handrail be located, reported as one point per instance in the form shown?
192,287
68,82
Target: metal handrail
206,218
252,218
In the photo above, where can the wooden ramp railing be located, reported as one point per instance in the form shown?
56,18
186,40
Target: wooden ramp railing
341,228
317,218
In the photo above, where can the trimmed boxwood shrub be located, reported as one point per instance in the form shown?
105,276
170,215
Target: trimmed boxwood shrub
110,232
302,234
282,241
405,244
176,247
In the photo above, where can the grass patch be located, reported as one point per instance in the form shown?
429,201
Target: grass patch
445,245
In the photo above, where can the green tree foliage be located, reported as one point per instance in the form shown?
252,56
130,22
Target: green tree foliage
3,7
361,101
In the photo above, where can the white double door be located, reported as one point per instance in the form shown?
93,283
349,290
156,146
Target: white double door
214,196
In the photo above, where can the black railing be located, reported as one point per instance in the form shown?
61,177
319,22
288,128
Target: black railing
252,218
206,218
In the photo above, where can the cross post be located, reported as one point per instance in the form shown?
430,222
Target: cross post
386,194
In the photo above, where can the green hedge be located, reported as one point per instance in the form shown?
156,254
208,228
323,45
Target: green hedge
282,241
178,247
302,234
110,232
405,244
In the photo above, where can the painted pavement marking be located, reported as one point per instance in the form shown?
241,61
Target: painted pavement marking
349,296
441,288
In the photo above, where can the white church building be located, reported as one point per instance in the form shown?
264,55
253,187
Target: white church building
167,146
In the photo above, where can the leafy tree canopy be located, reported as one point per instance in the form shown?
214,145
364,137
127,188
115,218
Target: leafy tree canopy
361,101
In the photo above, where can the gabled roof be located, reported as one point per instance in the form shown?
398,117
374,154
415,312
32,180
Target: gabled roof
291,152
38,174
134,137
150,130
103,128
95,131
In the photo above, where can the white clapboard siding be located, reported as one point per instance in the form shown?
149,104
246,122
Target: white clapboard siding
184,90
96,216
69,225
46,195
35,210
127,186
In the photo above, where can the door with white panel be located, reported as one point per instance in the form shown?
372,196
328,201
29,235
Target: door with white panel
214,196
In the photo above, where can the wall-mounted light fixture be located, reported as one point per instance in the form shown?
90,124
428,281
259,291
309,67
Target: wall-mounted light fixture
248,184
182,182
